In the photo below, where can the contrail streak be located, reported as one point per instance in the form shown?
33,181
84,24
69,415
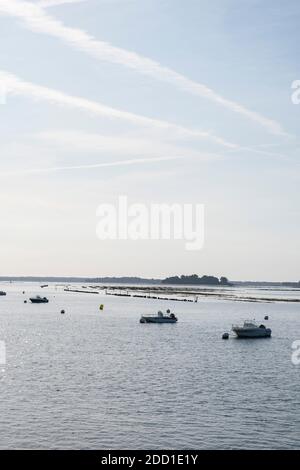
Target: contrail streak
38,20
87,167
15,86
53,3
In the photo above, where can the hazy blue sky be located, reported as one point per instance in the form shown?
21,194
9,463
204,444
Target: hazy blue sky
82,76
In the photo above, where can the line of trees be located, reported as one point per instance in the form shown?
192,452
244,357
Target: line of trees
194,279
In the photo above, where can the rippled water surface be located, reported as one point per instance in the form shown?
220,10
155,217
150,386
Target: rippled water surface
100,379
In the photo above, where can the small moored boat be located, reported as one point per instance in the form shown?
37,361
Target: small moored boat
159,318
39,300
250,329
2,292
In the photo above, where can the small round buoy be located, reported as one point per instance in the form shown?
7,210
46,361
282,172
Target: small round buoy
225,336
101,307
25,301
266,317
62,312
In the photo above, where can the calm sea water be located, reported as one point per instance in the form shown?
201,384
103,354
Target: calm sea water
100,379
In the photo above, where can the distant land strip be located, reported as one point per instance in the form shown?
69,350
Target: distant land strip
175,280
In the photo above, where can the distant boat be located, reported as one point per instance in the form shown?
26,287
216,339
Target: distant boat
45,285
251,330
2,292
39,300
159,318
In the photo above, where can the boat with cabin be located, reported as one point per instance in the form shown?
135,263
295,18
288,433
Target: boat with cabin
250,329
159,318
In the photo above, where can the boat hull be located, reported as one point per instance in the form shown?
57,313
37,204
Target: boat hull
157,320
39,301
253,333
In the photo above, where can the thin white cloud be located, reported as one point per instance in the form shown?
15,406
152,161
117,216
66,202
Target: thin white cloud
15,86
75,141
54,3
63,150
80,141
87,167
38,20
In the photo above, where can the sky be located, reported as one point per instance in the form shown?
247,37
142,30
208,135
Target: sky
170,101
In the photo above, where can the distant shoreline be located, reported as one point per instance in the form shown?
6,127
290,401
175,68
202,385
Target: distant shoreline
139,280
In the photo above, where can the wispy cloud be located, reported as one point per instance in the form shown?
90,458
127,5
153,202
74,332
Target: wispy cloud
53,3
87,167
62,150
15,86
38,20
125,145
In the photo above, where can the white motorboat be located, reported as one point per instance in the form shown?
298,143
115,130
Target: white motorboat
251,329
159,318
